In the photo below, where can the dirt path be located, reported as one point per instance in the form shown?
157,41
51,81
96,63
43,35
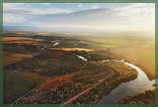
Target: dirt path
41,90
52,83
25,95
90,88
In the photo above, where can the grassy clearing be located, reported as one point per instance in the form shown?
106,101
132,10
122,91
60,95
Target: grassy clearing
72,44
142,57
122,69
15,38
9,58
86,44
91,73
97,45
61,63
147,56
16,85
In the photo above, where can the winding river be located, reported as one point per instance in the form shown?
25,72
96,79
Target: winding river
139,85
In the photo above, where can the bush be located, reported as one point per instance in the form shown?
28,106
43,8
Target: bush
132,102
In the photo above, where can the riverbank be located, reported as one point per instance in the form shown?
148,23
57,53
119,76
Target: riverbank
147,97
141,57
97,93
121,91
136,86
126,79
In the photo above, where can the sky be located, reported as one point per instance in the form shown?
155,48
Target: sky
94,16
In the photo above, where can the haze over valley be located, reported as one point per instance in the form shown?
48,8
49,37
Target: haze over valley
79,53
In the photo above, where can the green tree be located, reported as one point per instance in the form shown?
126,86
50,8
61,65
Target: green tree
132,102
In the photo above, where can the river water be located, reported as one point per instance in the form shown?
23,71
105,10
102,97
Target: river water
57,43
139,85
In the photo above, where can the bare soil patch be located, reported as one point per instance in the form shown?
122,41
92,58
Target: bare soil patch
9,58
15,38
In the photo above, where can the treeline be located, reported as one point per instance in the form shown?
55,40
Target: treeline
24,49
49,64
27,65
92,72
97,93
148,97
60,95
62,66
91,57
55,62
88,74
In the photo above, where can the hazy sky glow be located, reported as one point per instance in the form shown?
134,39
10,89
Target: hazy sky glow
98,16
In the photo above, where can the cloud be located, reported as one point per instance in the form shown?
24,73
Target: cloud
12,10
33,11
68,3
69,26
46,4
137,9
80,5
132,17
94,6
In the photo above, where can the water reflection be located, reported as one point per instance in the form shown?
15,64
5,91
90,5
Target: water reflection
139,85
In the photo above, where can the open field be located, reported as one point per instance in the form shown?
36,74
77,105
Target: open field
78,53
9,58
71,49
92,74
71,79
15,38
43,89
16,85
145,58
147,55
137,50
